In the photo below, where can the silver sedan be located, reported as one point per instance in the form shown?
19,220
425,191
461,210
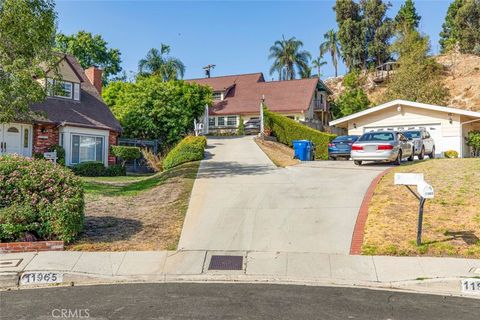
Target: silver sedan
382,146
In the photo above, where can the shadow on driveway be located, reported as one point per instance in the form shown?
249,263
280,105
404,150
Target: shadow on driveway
211,170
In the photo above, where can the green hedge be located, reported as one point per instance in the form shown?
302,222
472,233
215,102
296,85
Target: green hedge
39,198
189,149
89,169
286,130
97,169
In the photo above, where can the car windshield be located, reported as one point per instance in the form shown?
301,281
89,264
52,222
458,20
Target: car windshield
412,134
345,138
377,136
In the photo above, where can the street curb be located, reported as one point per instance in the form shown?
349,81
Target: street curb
438,286
9,279
359,229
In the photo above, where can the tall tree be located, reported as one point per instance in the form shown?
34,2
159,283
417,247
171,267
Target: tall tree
331,45
288,58
318,63
407,17
90,50
378,30
462,26
350,33
27,33
364,32
151,108
418,76
157,62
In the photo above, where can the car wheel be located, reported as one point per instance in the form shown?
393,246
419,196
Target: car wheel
421,155
398,161
412,155
432,154
357,162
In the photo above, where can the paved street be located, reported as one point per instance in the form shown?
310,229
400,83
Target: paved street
231,301
241,201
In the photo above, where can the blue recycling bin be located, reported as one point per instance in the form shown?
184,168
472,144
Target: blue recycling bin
303,150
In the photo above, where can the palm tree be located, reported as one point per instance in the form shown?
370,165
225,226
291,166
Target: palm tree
157,62
288,58
305,73
318,63
331,45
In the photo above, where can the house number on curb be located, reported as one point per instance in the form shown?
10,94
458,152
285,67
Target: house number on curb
471,286
41,277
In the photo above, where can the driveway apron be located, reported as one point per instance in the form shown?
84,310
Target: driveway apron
242,201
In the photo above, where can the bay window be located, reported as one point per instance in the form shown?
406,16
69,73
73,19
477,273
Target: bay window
87,148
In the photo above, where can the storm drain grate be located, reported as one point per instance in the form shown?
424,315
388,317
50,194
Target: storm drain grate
226,263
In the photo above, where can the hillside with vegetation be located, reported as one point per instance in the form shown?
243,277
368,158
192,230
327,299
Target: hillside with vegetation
460,75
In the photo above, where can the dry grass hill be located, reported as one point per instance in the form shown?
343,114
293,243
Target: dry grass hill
461,77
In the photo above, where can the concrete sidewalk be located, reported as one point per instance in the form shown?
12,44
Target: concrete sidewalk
423,274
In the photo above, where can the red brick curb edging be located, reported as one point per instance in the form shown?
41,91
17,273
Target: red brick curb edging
358,231
11,247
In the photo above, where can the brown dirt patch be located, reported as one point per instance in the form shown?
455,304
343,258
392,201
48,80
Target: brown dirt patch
280,154
149,220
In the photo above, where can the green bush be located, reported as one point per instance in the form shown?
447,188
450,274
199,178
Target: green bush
89,169
126,153
286,130
241,128
39,197
60,153
451,154
473,140
189,149
115,171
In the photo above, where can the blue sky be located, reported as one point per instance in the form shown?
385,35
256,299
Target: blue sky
233,35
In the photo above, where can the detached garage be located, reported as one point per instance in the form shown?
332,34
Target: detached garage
447,126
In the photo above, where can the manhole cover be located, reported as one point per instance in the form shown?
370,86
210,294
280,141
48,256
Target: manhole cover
10,263
226,263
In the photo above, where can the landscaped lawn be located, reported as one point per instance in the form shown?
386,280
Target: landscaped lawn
451,220
136,212
280,154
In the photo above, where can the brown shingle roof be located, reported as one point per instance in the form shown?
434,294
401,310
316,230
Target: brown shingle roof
90,111
293,96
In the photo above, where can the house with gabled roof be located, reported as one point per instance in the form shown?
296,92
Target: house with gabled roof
73,116
239,96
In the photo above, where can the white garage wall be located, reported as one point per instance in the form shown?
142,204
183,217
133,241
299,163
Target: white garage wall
450,132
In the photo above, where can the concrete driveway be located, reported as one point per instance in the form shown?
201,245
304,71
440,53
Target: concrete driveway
242,201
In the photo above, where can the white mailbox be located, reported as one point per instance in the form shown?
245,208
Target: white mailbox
425,190
408,179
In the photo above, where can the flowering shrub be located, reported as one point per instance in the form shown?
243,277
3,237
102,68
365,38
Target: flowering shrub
39,198
451,154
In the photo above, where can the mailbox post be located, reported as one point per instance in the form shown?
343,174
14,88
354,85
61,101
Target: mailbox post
424,190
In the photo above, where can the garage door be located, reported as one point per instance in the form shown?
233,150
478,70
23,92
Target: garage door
435,130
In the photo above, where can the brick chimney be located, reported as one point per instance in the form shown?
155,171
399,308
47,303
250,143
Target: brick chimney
94,74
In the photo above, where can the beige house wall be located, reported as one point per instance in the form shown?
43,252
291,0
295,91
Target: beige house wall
407,116
66,72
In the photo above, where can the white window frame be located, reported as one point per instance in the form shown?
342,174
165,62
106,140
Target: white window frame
217,95
230,118
95,155
52,92
214,121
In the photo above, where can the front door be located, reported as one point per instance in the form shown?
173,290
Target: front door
12,142
15,138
